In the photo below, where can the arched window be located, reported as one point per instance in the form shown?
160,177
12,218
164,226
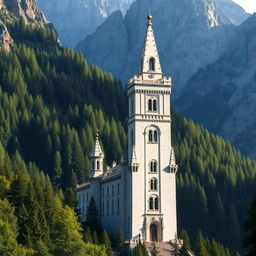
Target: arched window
150,136
155,136
156,203
153,184
154,105
149,105
153,166
152,64
98,165
151,203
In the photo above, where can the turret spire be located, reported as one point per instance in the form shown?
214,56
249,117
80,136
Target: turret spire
150,63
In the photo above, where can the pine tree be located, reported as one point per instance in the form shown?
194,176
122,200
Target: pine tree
106,242
186,243
92,215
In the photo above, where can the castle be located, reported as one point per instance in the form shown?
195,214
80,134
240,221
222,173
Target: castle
138,196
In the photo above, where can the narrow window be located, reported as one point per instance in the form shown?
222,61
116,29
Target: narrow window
107,191
155,184
151,203
150,136
107,208
102,192
132,106
151,184
154,166
156,203
87,197
98,165
149,105
118,206
113,190
131,138
83,198
154,105
118,189
113,206
103,209
152,64
155,136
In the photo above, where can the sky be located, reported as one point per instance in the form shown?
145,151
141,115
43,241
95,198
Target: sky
248,5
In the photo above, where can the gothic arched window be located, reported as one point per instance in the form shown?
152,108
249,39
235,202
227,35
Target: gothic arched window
98,165
149,105
151,203
155,136
154,105
150,136
152,64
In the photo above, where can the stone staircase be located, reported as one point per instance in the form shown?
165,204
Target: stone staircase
164,249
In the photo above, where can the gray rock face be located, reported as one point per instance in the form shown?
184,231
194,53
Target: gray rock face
5,38
230,12
223,96
74,19
16,9
189,35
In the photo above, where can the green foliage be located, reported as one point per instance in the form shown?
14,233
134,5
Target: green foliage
140,250
250,227
214,184
186,243
106,242
92,215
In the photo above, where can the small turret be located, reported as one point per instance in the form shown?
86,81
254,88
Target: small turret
172,164
134,166
96,158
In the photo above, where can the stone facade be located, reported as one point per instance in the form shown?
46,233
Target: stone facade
138,196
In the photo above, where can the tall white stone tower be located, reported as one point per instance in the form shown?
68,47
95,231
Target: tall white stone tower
151,189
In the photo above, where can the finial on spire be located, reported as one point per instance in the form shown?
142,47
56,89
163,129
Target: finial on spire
149,17
97,134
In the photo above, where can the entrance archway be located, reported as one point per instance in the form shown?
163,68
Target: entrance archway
153,233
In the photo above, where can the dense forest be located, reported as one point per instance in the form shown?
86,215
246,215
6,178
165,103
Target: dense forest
51,105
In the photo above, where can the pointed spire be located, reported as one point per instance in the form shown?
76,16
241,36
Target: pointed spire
172,164
150,63
96,150
133,164
133,158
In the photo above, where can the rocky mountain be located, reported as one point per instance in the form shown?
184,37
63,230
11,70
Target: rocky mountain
74,19
230,12
189,35
226,92
10,10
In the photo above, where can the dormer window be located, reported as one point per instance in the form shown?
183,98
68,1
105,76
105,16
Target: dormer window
151,64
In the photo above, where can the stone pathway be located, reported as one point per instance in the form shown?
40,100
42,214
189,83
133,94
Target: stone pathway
164,249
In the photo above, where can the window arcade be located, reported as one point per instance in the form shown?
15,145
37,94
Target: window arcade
152,105
153,136
153,184
153,166
153,203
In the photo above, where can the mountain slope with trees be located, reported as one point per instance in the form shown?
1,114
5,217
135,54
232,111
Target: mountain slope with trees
51,105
